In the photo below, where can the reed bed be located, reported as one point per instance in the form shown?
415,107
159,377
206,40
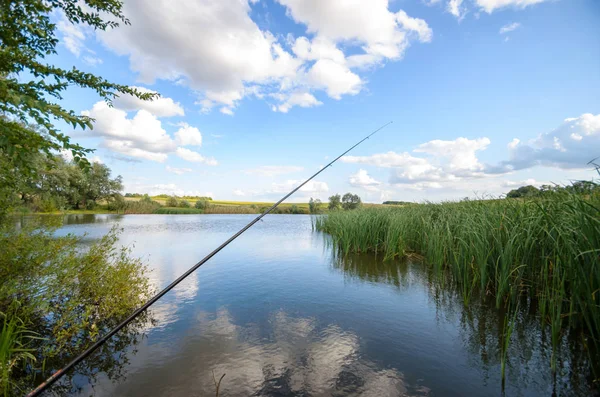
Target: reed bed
544,250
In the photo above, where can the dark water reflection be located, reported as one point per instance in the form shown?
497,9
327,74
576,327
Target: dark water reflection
280,315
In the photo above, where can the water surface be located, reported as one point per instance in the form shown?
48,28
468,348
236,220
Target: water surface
280,315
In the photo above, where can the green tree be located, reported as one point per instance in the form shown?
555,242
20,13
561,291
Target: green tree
314,206
184,203
335,202
29,86
202,204
351,201
523,192
172,201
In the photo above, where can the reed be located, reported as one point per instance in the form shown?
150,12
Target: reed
545,249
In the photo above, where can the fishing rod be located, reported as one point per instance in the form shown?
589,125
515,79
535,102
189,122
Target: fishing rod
58,374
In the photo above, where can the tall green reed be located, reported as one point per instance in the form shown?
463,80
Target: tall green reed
546,250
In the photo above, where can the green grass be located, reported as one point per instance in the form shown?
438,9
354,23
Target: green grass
545,250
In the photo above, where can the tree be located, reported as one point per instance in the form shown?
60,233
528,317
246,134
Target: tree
28,84
351,201
335,203
184,204
172,201
314,206
202,204
524,191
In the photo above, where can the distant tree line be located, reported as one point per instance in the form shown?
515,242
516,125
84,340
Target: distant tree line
577,187
397,202
58,184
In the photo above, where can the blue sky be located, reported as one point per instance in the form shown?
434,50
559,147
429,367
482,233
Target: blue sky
484,95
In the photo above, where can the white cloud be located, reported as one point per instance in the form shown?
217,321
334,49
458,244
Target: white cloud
187,135
448,161
226,110
524,182
239,193
273,170
73,36
160,107
194,157
381,32
513,144
459,153
363,180
571,145
219,52
178,171
509,27
67,155
142,136
302,99
92,60
454,8
490,6
336,79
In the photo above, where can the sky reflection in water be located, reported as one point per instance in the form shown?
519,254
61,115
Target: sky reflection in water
280,315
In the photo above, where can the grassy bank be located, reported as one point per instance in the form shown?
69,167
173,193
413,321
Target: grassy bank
545,252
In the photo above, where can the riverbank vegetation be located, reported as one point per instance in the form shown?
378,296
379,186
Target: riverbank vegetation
57,294
542,252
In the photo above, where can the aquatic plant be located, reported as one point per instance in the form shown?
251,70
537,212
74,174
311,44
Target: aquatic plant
545,249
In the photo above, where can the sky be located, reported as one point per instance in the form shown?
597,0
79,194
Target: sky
257,95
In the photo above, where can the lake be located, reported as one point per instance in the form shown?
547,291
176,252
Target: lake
281,315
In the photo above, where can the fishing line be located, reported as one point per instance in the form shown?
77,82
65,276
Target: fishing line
58,374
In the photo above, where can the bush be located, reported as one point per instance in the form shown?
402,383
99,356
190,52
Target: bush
140,207
68,297
202,204
184,204
172,202
116,203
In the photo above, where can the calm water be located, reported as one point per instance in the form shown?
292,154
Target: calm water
279,315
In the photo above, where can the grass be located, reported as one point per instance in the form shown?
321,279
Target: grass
545,250
14,352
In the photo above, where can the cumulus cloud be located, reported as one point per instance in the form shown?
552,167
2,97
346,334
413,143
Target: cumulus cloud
142,136
178,171
447,161
239,193
302,99
454,163
575,142
455,8
509,27
159,107
490,6
188,135
273,170
216,49
363,180
194,157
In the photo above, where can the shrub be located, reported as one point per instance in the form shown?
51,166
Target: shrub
172,202
68,296
202,204
184,204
